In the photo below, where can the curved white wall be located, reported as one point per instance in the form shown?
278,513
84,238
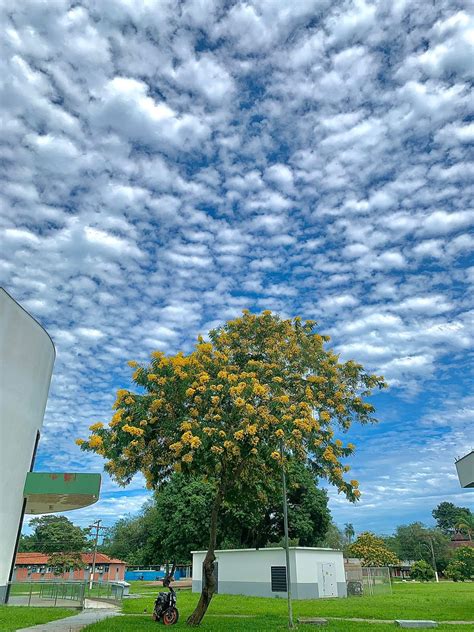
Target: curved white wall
26,364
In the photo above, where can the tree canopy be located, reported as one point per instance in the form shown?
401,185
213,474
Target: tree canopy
448,516
417,542
372,550
54,534
176,520
263,391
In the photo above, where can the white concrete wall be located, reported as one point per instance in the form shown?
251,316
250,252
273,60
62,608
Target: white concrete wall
307,561
26,363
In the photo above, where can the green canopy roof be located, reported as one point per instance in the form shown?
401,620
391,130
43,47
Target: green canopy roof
48,492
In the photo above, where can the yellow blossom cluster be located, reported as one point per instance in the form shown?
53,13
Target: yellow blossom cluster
132,430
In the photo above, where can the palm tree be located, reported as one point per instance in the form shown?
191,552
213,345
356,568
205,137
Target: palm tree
466,524
349,531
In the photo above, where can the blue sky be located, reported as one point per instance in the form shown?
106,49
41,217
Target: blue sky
168,164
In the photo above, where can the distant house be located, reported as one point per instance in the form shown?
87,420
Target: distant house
460,539
35,567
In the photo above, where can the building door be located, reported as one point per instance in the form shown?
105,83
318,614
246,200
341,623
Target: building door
327,579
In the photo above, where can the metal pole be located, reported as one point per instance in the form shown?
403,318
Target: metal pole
434,560
95,525
287,545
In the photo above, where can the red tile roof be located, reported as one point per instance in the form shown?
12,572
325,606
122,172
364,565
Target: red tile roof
42,558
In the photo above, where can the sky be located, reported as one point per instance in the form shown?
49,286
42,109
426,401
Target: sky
167,164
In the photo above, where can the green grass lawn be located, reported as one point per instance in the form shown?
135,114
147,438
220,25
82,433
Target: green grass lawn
442,602
16,617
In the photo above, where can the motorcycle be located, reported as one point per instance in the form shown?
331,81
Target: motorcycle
165,606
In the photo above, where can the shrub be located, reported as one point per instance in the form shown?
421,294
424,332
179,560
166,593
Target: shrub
462,566
422,571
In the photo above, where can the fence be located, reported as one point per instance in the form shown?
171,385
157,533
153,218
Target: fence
368,580
63,594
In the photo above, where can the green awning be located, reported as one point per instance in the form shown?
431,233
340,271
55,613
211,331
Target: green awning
48,492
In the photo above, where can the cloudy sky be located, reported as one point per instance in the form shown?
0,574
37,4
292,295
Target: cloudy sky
169,163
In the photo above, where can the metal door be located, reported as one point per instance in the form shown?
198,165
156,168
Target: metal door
327,579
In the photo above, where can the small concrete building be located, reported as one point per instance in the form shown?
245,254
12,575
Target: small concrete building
315,572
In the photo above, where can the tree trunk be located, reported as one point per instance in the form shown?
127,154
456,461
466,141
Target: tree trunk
208,579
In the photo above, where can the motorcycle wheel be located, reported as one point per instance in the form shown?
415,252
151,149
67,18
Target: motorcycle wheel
170,616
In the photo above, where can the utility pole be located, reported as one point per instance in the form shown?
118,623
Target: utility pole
434,559
287,545
95,525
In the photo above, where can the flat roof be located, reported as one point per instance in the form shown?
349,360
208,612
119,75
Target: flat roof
49,492
275,548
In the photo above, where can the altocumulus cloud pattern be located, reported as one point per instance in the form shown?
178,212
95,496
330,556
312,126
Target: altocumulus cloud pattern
169,163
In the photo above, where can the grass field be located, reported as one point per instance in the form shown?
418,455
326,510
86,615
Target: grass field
16,617
442,602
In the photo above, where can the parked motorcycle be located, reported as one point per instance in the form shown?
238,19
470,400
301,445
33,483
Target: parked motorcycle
165,606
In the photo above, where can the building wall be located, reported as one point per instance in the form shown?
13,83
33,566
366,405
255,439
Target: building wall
116,572
248,572
27,353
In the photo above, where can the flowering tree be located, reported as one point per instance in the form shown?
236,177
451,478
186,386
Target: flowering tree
372,551
226,409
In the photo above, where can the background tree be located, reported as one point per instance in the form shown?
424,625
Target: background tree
55,533
349,532
334,538
422,571
226,409
466,525
63,562
128,538
176,521
417,542
461,568
372,551
448,516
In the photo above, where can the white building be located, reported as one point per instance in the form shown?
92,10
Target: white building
26,364
26,357
315,572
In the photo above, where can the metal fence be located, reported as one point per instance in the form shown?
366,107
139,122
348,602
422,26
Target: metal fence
368,580
63,594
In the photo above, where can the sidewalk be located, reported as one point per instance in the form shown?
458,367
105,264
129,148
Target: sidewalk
74,623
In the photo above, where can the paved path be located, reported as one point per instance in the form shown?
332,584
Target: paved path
74,623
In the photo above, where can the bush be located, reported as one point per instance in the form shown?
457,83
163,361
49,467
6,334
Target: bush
462,566
422,571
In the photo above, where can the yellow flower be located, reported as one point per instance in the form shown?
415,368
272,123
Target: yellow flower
338,442
79,442
195,442
251,430
96,426
132,363
194,412
239,435
284,399
152,377
186,425
324,416
187,458
228,444
239,402
95,441
187,436
356,493
354,483
176,447
278,379
177,467
129,400
190,392
253,451
279,433
137,432
275,455
217,449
